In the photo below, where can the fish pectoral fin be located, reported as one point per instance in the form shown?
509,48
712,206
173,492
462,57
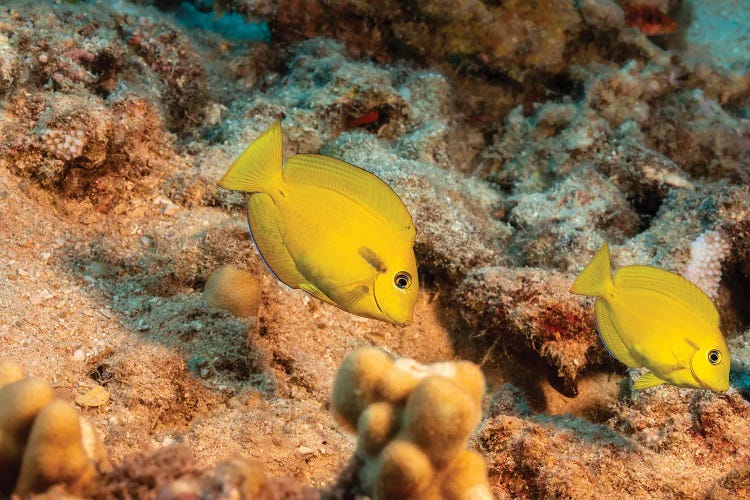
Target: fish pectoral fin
670,284
353,182
315,292
647,380
263,218
353,293
679,363
610,336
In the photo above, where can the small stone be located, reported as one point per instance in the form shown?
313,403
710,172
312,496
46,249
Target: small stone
171,209
88,219
96,396
79,355
36,299
169,441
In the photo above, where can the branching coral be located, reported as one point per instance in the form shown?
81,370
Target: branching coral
43,441
413,422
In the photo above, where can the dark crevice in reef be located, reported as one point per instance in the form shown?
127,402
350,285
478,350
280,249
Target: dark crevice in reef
739,287
646,204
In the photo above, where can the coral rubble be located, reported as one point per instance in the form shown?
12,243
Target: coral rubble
653,443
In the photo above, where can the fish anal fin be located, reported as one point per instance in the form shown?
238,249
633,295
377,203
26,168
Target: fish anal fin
263,218
670,284
610,337
353,182
315,292
647,380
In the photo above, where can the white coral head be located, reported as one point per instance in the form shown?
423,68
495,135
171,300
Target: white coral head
707,253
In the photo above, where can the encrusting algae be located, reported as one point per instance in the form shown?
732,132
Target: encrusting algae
329,228
648,317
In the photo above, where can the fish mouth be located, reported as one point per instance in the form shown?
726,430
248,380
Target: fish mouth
705,385
390,318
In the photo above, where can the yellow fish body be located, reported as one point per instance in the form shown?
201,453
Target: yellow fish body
648,317
329,228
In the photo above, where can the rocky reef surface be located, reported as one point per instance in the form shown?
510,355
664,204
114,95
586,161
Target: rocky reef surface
520,135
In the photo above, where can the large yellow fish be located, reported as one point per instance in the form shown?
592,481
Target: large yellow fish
332,229
648,317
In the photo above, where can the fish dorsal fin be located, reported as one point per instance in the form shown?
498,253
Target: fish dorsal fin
647,380
610,337
263,218
670,284
596,278
353,182
258,168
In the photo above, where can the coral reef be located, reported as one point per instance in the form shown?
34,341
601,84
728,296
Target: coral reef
520,135
652,445
413,421
43,440
529,313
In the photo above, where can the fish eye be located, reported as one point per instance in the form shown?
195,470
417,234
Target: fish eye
714,356
402,280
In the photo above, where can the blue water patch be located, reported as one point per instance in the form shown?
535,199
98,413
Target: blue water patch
230,25
740,380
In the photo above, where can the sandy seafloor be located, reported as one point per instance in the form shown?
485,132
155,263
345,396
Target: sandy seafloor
521,136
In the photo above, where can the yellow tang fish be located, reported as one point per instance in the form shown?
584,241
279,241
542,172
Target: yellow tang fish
648,317
332,229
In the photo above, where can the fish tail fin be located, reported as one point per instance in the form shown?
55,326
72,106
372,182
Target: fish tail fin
258,168
596,278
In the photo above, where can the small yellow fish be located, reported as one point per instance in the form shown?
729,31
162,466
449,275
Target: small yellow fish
648,317
332,229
